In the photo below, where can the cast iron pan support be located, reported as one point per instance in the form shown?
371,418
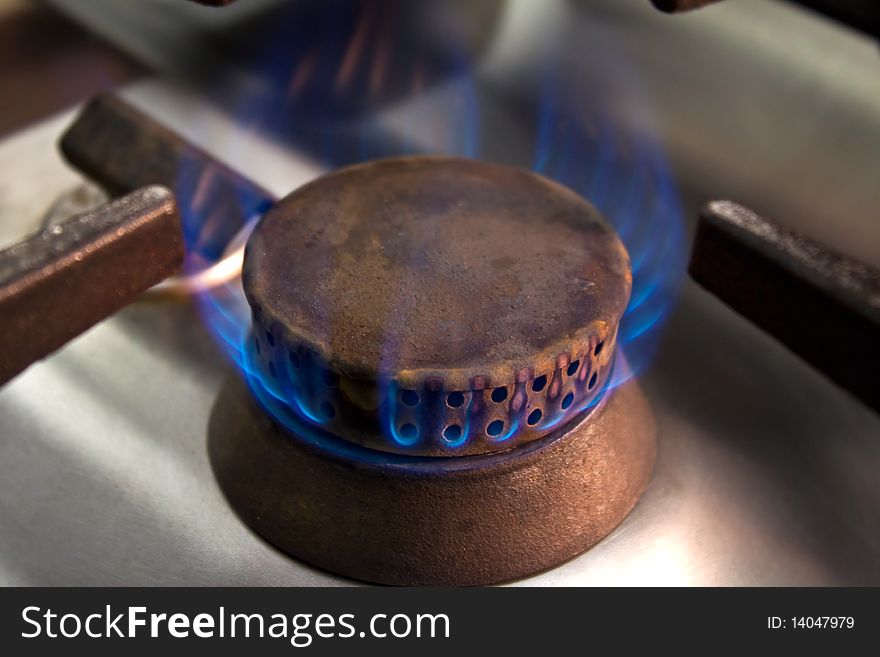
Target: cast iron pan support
59,283
822,305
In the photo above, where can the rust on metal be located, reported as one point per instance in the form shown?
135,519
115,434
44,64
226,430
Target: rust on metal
427,521
123,149
59,283
822,305
473,306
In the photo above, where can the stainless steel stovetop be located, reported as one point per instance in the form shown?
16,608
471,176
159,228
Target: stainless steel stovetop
767,473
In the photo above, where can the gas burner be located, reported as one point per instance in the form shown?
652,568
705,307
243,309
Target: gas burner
435,306
432,337
430,361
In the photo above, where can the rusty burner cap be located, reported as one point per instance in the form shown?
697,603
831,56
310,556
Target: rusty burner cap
433,305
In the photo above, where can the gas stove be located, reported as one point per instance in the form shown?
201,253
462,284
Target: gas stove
123,452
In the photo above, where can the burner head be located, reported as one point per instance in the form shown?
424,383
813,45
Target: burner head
435,305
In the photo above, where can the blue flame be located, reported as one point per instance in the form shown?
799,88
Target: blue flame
510,433
322,75
390,419
633,190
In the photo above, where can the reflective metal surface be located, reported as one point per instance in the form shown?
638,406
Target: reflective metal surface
766,472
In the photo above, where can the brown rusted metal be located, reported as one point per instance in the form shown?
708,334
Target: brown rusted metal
822,305
59,283
123,149
429,521
411,303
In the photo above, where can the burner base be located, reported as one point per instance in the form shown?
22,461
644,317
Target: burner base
435,521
